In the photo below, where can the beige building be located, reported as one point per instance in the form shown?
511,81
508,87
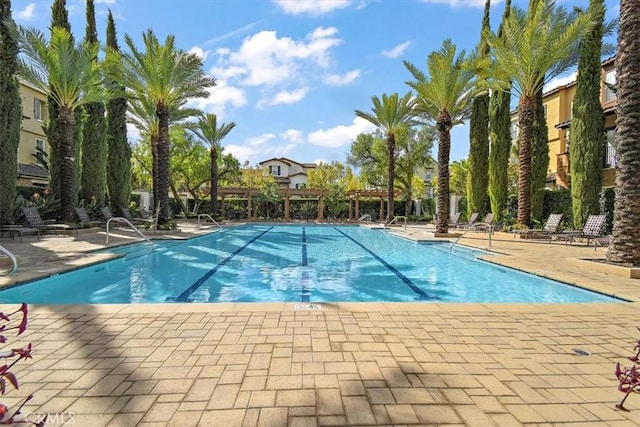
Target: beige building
32,164
288,173
558,105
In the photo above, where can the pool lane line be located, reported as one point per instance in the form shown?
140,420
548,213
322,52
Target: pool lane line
304,289
422,294
184,296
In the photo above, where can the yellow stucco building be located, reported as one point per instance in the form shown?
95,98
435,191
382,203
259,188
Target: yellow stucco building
32,170
558,104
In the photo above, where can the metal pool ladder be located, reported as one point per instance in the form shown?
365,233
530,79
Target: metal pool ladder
364,217
13,259
121,219
395,219
489,228
212,220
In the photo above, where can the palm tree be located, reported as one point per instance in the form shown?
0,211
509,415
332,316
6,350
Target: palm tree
625,247
166,77
69,75
208,131
445,96
390,115
535,47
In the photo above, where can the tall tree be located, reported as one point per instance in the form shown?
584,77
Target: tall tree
59,19
413,152
535,46
390,115
208,131
478,178
166,77
94,142
625,247
69,75
369,154
500,136
539,158
587,124
10,114
445,96
118,148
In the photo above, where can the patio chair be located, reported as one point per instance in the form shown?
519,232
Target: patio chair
135,221
106,213
472,220
20,230
35,221
454,222
85,221
549,228
592,229
485,225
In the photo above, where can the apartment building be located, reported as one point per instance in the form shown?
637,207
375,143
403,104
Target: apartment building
33,148
558,105
288,173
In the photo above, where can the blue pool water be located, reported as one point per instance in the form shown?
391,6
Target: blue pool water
297,264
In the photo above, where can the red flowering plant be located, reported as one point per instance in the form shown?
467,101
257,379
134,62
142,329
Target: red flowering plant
629,378
8,360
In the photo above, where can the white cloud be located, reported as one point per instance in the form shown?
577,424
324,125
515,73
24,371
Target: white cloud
284,97
197,50
463,3
341,135
560,81
311,7
259,148
396,51
292,135
341,80
27,13
220,98
133,134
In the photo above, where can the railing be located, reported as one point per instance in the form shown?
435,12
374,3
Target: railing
472,228
395,219
212,220
121,219
13,259
365,216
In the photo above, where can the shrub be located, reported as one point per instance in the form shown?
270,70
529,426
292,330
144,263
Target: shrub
607,200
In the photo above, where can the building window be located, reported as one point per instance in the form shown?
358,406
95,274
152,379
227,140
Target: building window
609,85
38,107
274,170
41,152
610,150
567,140
514,130
301,185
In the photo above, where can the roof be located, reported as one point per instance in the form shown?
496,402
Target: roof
288,162
298,173
32,170
275,159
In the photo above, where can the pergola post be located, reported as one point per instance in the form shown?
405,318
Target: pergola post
321,208
350,210
357,207
223,208
382,215
287,217
249,213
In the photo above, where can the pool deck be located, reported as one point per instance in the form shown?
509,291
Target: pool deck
342,364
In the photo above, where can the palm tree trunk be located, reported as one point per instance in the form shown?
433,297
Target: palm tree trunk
526,115
154,170
443,125
625,247
391,151
68,195
214,181
162,111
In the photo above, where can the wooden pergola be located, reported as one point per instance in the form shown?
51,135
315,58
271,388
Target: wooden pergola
355,195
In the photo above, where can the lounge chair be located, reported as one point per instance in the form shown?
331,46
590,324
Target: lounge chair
20,230
550,227
135,221
472,220
485,225
35,221
592,229
454,223
85,221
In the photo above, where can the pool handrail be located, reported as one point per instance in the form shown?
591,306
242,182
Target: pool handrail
122,219
365,216
13,258
489,228
395,219
210,217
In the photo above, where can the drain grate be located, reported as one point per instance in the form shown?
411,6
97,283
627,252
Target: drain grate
308,307
581,352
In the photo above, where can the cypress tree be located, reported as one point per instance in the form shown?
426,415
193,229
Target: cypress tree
10,116
539,158
586,150
478,177
119,157
59,18
94,143
500,135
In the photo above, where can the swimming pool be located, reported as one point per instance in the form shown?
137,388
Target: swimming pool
296,263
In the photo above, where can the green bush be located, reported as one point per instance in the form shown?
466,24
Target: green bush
607,201
558,201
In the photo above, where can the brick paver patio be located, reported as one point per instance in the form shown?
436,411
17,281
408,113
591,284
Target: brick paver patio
346,364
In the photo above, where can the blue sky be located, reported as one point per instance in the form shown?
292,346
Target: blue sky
291,72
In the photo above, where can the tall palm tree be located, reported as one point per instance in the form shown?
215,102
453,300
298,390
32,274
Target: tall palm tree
390,115
445,96
70,76
167,77
535,46
208,131
625,247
